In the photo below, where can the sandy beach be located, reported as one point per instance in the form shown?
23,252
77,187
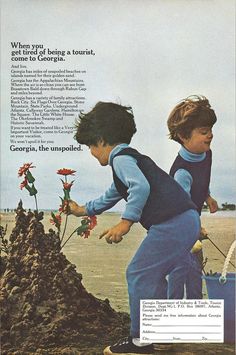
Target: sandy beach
103,265
103,269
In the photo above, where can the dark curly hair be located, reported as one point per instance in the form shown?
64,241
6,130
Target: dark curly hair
107,121
192,112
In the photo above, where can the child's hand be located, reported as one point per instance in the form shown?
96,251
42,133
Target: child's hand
71,207
212,204
114,234
203,234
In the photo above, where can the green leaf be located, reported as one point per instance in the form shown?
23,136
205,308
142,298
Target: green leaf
62,200
81,229
53,216
27,187
33,190
30,177
55,220
66,194
84,222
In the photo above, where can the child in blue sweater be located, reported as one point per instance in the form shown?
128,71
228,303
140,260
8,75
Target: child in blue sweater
152,198
190,124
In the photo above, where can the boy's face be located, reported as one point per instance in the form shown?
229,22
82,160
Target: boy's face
200,140
101,152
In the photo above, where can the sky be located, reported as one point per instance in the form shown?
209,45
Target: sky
149,55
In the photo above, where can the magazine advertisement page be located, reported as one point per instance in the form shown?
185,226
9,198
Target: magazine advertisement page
117,177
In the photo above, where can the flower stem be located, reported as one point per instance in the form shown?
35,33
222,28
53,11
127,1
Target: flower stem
64,228
36,203
69,238
63,234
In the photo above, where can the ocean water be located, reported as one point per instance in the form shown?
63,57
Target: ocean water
219,214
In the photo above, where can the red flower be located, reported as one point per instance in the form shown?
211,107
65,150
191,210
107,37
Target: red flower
23,184
87,224
92,221
64,206
57,219
61,209
65,172
67,186
85,234
23,169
